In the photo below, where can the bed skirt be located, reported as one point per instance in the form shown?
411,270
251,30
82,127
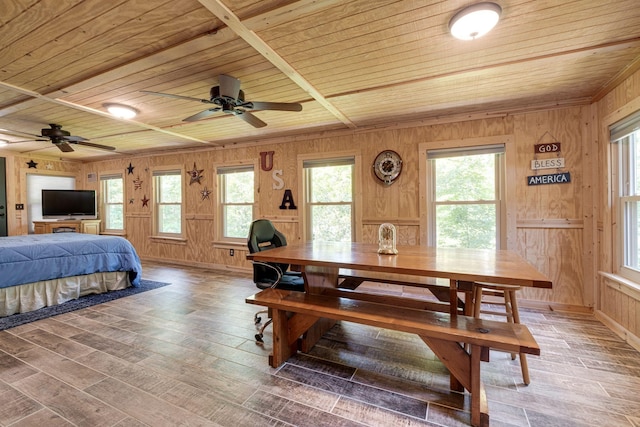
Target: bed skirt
32,296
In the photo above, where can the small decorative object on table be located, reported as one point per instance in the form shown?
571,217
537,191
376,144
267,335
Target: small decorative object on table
387,239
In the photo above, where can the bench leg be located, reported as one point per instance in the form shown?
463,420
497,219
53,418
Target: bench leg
282,348
465,368
287,329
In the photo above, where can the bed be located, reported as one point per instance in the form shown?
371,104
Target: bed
39,270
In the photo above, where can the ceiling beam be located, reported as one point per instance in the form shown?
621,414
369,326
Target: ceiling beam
92,111
232,21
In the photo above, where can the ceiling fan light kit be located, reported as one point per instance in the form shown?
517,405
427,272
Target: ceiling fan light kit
121,111
475,21
228,98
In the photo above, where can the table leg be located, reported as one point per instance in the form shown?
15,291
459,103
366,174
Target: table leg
453,297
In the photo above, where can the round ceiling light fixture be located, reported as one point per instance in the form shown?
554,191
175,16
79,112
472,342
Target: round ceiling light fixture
475,21
121,111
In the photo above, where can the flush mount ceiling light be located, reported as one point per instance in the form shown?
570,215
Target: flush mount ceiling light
121,111
475,21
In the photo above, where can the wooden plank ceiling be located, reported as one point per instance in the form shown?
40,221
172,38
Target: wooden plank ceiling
351,64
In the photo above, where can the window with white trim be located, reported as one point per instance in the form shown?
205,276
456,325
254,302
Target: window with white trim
112,206
625,138
329,199
236,198
167,201
466,197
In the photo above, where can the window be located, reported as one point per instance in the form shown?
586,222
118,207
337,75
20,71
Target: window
236,196
466,198
626,138
167,187
329,201
112,206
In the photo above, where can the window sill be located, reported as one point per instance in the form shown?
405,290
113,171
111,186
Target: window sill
167,239
113,233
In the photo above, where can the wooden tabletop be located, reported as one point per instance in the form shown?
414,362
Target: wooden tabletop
471,265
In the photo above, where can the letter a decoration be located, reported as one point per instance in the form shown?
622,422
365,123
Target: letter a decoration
288,199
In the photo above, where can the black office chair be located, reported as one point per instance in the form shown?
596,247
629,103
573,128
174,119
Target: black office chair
264,236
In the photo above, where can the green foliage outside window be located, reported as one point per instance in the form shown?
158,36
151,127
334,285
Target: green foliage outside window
169,193
237,203
466,201
330,202
113,204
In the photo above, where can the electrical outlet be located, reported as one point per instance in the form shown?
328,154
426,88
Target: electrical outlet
230,252
19,206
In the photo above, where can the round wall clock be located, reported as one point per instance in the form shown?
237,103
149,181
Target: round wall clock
387,166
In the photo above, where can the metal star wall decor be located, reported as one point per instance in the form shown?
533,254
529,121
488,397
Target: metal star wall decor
131,200
130,169
205,193
32,164
145,201
137,184
195,174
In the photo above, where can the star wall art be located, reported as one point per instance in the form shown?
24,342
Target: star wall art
130,169
145,201
195,174
32,164
137,183
205,193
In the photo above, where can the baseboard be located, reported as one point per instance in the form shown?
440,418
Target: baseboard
619,330
554,306
190,263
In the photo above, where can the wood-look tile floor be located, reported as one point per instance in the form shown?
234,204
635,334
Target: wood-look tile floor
185,355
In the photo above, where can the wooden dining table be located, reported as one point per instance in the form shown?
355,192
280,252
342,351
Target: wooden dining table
326,267
321,263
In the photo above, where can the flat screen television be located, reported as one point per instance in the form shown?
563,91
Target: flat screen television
69,204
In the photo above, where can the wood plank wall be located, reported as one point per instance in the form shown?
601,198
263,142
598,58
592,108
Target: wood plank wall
550,223
617,300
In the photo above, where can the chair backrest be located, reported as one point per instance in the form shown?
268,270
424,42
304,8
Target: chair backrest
264,236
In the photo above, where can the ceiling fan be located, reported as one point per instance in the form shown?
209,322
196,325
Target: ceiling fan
59,137
229,98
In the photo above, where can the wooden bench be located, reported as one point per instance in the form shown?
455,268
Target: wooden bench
440,288
293,313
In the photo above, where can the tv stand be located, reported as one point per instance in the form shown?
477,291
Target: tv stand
86,226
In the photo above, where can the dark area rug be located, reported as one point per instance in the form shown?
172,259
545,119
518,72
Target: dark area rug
77,304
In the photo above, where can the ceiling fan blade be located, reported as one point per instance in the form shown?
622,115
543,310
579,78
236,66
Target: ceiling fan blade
18,133
202,115
64,147
94,145
26,140
282,106
250,118
229,86
170,95
75,139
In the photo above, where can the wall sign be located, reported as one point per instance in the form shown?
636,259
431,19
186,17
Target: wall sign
557,162
556,178
552,147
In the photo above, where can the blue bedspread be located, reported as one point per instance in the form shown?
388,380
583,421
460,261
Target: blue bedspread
35,257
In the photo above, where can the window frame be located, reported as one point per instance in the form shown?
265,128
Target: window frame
506,219
623,173
103,202
174,170
356,199
499,189
221,170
